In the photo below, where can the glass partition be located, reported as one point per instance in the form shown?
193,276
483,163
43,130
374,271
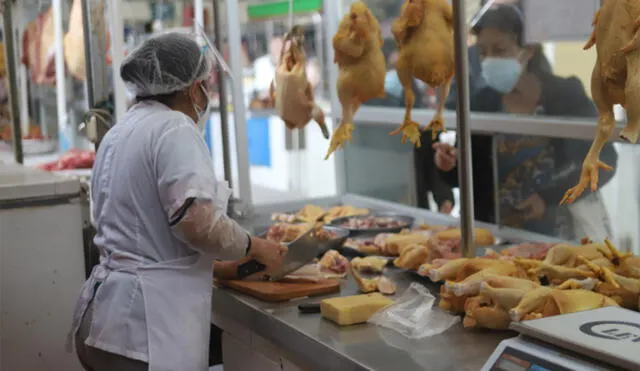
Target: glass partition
533,120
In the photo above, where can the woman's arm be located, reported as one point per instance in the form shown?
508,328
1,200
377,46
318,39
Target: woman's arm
188,193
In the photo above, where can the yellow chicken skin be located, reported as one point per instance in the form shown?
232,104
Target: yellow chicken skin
291,91
362,68
547,302
615,80
424,34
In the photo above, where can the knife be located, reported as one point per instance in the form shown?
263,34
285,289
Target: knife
300,252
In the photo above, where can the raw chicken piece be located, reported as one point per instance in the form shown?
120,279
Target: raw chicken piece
471,284
310,213
291,90
556,274
450,302
482,312
371,264
366,285
623,290
333,261
567,255
459,269
412,257
362,67
506,291
386,286
615,80
547,302
424,34
395,244
536,251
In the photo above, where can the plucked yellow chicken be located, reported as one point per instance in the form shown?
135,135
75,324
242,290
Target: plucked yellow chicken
547,302
291,90
361,64
424,34
615,80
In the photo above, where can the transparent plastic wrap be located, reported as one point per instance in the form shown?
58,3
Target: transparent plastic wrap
208,229
413,315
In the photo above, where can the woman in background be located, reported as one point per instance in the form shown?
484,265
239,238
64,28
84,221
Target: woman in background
533,172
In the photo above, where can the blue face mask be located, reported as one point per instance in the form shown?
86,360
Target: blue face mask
501,74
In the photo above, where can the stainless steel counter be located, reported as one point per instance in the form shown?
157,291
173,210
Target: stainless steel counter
317,344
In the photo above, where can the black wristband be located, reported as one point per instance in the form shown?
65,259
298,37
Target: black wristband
248,245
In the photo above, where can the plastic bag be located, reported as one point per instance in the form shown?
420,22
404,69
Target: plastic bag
413,315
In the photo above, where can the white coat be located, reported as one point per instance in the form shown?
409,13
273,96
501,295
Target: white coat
151,292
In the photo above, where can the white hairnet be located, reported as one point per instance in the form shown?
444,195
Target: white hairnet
165,64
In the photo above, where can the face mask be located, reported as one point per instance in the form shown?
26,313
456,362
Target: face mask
202,114
501,74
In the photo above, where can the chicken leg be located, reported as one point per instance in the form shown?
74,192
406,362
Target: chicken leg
437,123
409,128
632,92
606,123
343,132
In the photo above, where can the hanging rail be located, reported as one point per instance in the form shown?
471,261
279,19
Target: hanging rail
12,78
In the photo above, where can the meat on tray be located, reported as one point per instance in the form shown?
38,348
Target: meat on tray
372,222
285,232
73,159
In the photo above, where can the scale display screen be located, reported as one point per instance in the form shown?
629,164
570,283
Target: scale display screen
515,360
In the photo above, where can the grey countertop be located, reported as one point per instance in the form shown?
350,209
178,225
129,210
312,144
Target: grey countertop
321,345
318,344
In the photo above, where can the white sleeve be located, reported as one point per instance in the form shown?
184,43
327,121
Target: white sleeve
186,186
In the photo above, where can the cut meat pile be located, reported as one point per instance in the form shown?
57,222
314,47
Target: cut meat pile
535,280
287,232
73,159
372,222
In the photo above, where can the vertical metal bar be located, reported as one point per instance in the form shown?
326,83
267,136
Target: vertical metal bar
95,42
19,16
117,56
12,79
198,12
239,113
65,136
224,97
86,32
496,180
465,174
332,11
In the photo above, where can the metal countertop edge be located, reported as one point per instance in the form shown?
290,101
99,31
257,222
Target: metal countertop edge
301,347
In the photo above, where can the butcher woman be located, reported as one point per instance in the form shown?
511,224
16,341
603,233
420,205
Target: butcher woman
160,221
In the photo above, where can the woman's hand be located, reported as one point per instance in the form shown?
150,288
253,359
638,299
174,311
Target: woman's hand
268,253
445,157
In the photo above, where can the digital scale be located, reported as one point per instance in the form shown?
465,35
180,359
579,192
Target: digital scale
600,339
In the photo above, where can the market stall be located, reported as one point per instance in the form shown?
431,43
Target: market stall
281,336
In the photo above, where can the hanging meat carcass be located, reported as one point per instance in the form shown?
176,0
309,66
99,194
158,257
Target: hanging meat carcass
74,42
38,49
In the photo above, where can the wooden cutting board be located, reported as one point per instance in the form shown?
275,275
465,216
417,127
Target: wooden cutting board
282,291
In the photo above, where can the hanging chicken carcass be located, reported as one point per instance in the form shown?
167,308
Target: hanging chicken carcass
615,80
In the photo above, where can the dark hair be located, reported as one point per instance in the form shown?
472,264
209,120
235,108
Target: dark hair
509,19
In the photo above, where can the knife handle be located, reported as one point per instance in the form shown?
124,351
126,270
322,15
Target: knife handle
251,267
309,308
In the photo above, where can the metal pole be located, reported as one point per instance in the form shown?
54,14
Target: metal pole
12,78
86,32
65,136
465,174
117,56
224,98
239,111
95,42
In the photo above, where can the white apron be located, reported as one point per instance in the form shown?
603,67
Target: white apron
177,299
